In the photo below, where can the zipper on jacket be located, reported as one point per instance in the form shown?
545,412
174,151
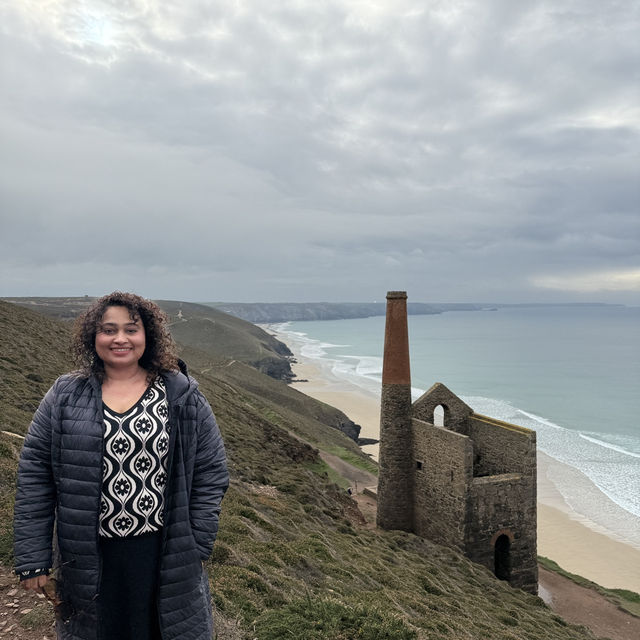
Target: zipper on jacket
98,511
173,426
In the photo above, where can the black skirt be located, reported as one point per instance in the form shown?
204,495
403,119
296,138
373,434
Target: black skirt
128,587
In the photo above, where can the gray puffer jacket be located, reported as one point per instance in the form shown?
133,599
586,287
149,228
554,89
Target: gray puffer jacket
60,479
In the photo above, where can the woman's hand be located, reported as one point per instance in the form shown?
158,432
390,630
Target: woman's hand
35,584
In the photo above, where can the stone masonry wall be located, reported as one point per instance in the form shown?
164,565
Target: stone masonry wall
395,478
441,486
456,412
501,447
504,504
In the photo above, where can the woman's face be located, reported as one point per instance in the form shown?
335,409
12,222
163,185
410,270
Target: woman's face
120,341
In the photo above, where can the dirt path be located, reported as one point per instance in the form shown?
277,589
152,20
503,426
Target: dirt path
27,616
369,508
580,605
354,475
23,614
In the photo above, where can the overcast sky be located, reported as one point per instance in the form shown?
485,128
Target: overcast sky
303,151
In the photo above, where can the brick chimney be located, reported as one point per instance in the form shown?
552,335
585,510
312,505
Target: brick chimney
395,478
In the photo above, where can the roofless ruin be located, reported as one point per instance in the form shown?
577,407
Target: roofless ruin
469,483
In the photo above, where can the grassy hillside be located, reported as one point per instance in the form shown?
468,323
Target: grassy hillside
214,339
294,556
291,404
34,350
220,336
215,333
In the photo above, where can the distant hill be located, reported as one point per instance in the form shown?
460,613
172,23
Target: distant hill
265,312
61,308
295,556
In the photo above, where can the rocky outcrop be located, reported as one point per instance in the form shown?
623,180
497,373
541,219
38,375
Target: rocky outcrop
277,368
350,429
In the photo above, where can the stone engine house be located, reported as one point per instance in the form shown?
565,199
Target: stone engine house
467,481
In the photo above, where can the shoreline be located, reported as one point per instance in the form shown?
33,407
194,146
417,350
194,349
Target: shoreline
564,536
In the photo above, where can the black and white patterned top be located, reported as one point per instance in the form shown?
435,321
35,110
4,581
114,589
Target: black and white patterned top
135,465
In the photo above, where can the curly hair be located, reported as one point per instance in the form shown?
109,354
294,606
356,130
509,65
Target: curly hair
160,352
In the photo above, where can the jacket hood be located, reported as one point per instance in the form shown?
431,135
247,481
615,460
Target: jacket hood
180,385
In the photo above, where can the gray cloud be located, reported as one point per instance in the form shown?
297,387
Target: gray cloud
301,151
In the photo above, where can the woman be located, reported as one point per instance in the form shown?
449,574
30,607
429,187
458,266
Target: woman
126,457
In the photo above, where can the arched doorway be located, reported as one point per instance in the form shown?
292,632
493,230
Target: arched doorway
502,558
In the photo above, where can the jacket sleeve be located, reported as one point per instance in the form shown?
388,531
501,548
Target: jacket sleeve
34,508
210,479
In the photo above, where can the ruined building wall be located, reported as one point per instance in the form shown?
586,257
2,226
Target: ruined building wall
470,484
503,500
456,412
503,505
501,447
442,484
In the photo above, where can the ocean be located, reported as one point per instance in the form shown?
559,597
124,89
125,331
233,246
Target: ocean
571,373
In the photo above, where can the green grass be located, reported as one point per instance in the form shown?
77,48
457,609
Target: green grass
9,451
38,618
327,619
624,599
322,469
311,570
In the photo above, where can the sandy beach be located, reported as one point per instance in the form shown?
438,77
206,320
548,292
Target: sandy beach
564,536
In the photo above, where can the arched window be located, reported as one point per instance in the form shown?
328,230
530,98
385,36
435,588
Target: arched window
502,558
438,416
